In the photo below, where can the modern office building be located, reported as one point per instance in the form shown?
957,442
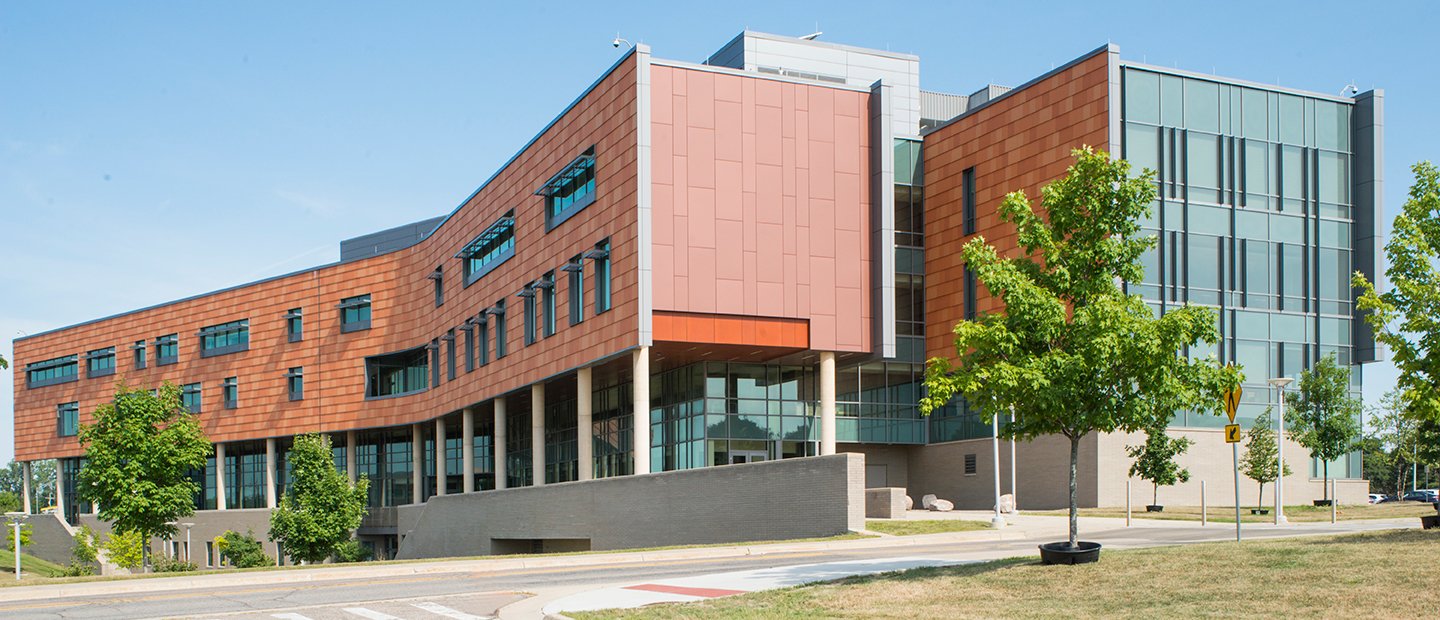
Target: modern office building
746,259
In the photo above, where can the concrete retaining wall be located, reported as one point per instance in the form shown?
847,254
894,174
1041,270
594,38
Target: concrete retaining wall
208,525
775,500
886,503
1042,467
50,538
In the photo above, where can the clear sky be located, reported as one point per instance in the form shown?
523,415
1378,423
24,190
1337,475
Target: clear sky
155,150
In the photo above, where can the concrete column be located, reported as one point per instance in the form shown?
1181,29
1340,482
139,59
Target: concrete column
827,403
417,463
640,435
440,471
270,472
537,434
352,468
467,449
59,487
25,486
584,444
500,443
220,476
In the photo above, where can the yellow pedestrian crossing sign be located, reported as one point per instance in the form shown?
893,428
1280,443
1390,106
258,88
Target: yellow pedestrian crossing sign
1232,432
1232,402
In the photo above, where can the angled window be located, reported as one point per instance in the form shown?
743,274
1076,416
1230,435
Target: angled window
100,362
498,311
570,190
968,204
397,374
138,350
528,293
295,325
67,419
492,247
167,350
230,392
438,277
231,337
547,303
190,397
575,291
600,257
354,313
53,371
295,383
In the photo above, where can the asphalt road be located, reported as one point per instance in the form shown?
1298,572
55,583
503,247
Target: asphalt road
478,594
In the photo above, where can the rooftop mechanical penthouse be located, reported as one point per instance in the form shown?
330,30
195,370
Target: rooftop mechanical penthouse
741,260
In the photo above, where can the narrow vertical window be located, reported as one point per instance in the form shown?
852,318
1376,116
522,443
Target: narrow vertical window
575,289
499,312
482,336
438,277
547,303
600,256
190,397
294,325
230,392
450,355
469,330
970,297
433,351
139,351
528,293
295,383
67,419
968,179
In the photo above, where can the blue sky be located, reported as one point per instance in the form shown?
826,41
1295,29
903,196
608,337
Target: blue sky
155,150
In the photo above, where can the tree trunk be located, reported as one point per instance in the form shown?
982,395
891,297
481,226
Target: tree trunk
1326,491
1155,496
1074,507
1260,500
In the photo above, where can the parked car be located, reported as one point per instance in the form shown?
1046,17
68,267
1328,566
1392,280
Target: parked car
1422,495
1376,498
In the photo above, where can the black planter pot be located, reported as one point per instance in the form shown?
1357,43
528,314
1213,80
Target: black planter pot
1154,508
1259,511
1430,522
1323,502
1062,553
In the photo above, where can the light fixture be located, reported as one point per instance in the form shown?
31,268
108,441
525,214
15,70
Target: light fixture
618,40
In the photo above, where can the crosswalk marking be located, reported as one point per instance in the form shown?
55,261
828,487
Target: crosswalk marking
369,613
289,616
441,610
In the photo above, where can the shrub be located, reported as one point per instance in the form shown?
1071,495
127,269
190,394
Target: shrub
354,551
243,550
123,549
166,564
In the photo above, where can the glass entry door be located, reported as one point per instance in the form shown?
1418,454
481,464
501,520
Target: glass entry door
747,456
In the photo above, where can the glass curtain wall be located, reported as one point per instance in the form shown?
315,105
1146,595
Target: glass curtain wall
1254,219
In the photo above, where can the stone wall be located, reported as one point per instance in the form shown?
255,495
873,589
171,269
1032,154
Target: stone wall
775,500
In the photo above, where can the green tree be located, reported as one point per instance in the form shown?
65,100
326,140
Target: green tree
25,531
1072,354
1406,318
320,507
3,364
125,549
42,481
10,502
1322,415
1155,460
1261,454
139,452
1392,442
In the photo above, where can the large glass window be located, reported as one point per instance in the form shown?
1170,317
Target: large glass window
52,371
100,362
1142,97
909,304
397,374
190,397
225,338
909,216
570,190
167,349
494,246
355,313
67,419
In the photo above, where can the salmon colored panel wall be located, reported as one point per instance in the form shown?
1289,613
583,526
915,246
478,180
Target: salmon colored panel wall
1020,142
762,201
404,312
725,329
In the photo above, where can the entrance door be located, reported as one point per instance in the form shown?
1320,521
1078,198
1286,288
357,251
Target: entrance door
747,456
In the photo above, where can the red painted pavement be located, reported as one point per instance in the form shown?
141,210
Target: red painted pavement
700,592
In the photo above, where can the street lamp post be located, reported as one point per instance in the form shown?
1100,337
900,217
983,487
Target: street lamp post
15,519
1280,383
187,539
997,521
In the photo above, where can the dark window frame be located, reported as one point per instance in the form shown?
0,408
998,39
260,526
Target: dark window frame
548,310
575,186
488,250
498,311
295,325
531,308
439,277
168,341
469,329
67,419
575,289
295,383
198,391
137,354
99,356
210,335
67,369
600,256
971,297
359,304
230,393
968,208
449,339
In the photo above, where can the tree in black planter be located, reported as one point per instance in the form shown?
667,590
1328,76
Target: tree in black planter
1261,454
1155,462
1072,354
1322,415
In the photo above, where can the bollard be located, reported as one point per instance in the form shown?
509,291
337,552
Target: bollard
1204,509
1127,503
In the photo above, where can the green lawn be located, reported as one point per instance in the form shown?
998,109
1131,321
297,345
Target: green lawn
1306,512
902,527
29,565
1356,576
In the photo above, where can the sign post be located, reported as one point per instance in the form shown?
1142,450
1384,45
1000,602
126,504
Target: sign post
1232,437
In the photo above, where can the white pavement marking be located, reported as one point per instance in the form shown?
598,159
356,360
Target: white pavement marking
290,616
745,580
369,613
441,610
